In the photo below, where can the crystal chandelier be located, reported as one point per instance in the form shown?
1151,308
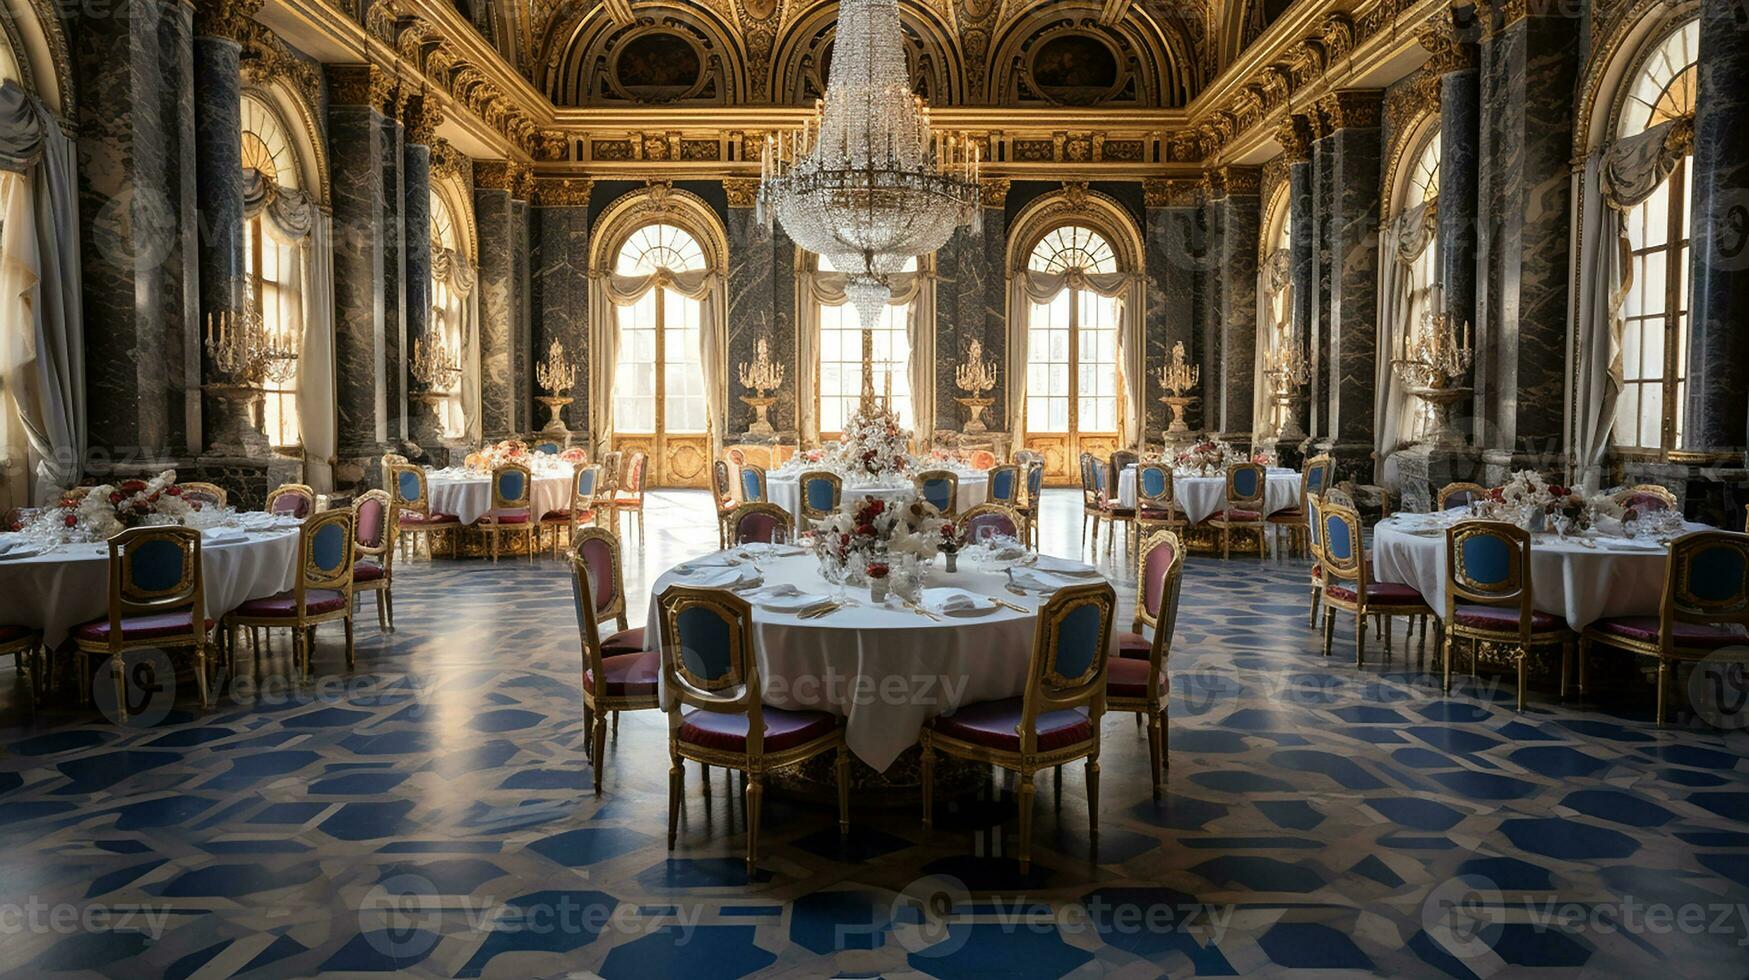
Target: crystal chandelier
866,182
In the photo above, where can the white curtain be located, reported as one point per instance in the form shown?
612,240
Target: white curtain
613,291
1402,302
42,354
1616,178
1274,326
1028,287
458,306
294,220
914,289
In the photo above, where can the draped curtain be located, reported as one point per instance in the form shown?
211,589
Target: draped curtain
42,354
1275,289
1402,302
914,289
295,221
1030,286
1617,177
459,306
614,291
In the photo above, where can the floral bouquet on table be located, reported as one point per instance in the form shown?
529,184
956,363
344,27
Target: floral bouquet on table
1203,457
499,453
107,510
574,456
874,527
1264,458
812,455
875,444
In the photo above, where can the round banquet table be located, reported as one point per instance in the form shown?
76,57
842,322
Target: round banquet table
69,585
785,491
468,494
844,661
1582,582
1202,496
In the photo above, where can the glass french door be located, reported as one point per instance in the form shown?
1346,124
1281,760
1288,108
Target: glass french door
659,393
1072,357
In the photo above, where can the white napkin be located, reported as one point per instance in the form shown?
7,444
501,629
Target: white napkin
785,597
956,601
697,565
753,548
1062,567
1028,578
734,577
221,535
1630,544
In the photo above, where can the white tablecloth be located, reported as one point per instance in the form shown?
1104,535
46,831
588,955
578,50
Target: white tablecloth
1582,584
887,670
1201,496
60,589
785,491
469,495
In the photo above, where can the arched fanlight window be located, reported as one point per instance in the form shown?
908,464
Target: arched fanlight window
272,265
1654,310
840,389
659,377
1071,352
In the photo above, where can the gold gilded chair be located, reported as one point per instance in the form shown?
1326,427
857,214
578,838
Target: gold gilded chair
1349,585
296,499
1704,608
373,545
1136,680
1028,506
939,489
1318,472
206,494
157,600
1459,495
611,463
1247,490
25,645
1488,598
821,492
1003,521
512,507
1156,505
1099,501
1055,721
582,509
765,523
753,484
414,519
723,489
1004,485
628,491
618,674
322,592
709,666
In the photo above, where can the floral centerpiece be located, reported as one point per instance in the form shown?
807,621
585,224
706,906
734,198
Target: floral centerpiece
1264,458
500,453
952,540
874,443
875,531
1203,457
105,511
574,456
1531,502
812,456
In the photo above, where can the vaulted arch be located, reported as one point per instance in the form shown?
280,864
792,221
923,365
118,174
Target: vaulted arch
803,54
669,52
1067,54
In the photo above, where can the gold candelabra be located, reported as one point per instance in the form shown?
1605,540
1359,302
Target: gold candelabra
434,364
1179,378
557,375
1430,364
243,350
1286,368
761,375
974,377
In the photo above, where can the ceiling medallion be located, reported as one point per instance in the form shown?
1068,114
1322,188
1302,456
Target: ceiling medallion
867,183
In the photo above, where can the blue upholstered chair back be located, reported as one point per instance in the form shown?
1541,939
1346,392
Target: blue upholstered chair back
820,492
1343,551
1708,579
512,484
584,481
1035,481
707,644
1319,470
155,566
1315,525
549,448
1069,653
407,483
326,550
1154,486
938,489
1004,484
1488,563
720,484
1246,483
752,483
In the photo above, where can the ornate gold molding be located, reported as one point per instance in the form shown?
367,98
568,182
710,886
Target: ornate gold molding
362,85
522,182
994,191
1155,192
494,175
1183,192
448,161
1353,108
226,19
743,192
1242,180
1294,133
422,122
1214,185
563,192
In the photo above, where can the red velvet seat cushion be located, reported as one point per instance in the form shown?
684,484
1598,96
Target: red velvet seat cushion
1506,619
627,675
560,516
992,724
367,571
414,517
285,604
1692,635
508,517
139,627
1377,593
625,641
728,733
12,634
1290,514
1161,514
1134,645
1238,514
1129,678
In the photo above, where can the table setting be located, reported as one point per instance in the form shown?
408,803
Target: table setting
1201,496
841,618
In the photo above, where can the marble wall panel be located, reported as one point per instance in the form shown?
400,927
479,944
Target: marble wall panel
357,147
492,222
559,297
1241,229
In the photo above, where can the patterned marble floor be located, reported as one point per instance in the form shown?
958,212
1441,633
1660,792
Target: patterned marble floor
430,813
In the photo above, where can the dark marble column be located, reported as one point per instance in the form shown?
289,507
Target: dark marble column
1176,254
989,278
137,217
397,342
492,221
1354,154
358,148
522,350
1718,352
559,286
424,427
1211,332
755,256
1241,229
1319,336
1302,229
1460,125
1529,69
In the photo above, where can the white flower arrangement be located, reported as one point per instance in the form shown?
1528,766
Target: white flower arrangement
107,510
874,444
877,531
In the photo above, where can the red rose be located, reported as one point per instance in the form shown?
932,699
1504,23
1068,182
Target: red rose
115,498
877,570
174,491
71,520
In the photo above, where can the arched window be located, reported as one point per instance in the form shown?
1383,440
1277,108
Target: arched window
447,313
272,268
840,390
1275,326
1071,352
1654,310
659,377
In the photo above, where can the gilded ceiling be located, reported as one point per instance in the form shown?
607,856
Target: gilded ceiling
1066,53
